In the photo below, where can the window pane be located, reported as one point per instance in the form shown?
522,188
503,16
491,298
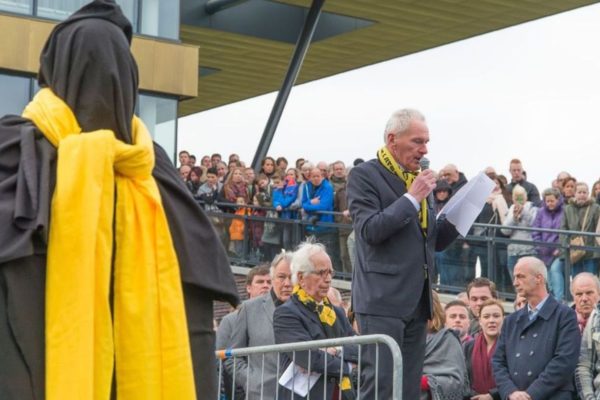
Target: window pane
61,9
160,116
16,6
14,95
160,18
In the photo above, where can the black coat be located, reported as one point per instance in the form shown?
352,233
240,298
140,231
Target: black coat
293,322
87,63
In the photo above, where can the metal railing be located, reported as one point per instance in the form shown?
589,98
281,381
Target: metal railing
494,256
317,345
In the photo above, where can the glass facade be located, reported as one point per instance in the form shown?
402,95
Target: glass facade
59,10
17,6
158,18
14,95
160,116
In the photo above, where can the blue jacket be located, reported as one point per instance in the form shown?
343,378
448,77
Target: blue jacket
284,197
538,356
325,193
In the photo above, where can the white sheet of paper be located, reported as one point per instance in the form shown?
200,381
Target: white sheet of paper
298,381
463,208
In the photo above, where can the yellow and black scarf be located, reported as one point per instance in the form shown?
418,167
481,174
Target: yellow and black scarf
328,319
385,158
145,338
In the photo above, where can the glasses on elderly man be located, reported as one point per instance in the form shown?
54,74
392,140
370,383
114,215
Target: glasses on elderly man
322,273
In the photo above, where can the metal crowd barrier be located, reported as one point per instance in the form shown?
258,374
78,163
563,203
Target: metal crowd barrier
310,346
495,247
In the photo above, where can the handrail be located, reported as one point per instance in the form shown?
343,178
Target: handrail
317,344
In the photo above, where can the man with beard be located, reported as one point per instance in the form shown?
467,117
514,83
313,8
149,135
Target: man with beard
104,250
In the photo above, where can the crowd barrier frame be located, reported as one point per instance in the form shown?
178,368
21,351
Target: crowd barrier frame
360,341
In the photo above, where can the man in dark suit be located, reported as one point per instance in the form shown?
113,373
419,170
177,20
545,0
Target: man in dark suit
538,348
396,237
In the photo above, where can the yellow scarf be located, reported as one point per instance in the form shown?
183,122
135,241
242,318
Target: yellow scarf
147,334
327,317
326,312
386,159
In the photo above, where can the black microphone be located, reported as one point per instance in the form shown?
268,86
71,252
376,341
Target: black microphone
424,163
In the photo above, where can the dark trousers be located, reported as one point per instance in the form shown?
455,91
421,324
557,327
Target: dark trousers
410,333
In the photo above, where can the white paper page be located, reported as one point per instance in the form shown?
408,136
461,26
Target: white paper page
302,381
463,208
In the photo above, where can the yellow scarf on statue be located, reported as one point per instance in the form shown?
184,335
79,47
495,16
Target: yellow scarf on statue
146,336
386,159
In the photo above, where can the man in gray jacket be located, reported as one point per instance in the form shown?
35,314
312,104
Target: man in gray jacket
254,327
397,234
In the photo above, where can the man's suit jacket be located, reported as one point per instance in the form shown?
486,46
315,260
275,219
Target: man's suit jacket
224,336
392,253
538,356
254,327
293,322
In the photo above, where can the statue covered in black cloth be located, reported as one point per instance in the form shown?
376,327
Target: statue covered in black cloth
87,63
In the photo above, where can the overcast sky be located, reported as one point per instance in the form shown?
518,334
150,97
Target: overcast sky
530,92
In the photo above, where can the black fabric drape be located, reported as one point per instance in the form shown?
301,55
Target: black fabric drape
87,62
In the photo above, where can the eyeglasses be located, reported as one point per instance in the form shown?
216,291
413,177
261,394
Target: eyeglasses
322,273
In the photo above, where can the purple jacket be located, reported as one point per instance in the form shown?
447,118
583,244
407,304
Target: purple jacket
548,220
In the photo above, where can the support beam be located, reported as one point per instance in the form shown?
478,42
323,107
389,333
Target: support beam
214,6
302,45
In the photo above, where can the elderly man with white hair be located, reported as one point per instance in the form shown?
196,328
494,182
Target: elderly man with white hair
538,348
309,315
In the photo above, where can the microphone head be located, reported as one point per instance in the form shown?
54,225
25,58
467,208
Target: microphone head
424,163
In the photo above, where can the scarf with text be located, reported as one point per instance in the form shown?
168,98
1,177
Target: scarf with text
385,158
101,181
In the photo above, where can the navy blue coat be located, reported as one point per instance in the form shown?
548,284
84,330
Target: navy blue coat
293,322
538,356
393,256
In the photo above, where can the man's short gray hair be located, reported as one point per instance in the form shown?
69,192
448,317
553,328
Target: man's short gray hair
400,121
282,256
536,266
589,275
301,260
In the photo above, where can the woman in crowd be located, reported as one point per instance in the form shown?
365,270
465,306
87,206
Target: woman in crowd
520,214
596,191
581,215
444,370
479,352
568,188
267,166
222,171
205,162
193,182
549,216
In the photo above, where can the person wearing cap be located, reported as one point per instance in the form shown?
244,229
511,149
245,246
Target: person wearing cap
108,267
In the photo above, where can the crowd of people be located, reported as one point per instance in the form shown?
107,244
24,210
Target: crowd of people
477,347
317,193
